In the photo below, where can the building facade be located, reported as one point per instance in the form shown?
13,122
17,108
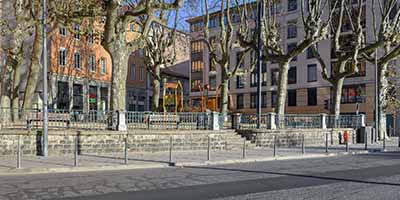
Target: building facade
79,71
307,91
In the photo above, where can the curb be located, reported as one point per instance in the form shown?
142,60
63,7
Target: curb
28,171
237,161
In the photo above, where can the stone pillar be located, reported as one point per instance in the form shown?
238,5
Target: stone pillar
98,98
85,91
236,120
271,121
214,125
362,120
71,93
323,121
116,121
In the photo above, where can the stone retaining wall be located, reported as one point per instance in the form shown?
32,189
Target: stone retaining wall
288,137
98,142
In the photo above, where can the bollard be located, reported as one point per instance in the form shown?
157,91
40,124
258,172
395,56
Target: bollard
366,139
326,142
399,140
275,150
126,149
209,148
303,147
170,151
19,152
384,142
76,152
347,146
244,148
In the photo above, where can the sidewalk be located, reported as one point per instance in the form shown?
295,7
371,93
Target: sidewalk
116,161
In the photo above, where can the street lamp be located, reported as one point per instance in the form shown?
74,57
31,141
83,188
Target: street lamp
45,111
259,62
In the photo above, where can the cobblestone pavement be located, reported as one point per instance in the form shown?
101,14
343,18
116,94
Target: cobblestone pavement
271,178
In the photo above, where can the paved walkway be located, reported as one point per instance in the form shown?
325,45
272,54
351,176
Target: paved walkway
89,162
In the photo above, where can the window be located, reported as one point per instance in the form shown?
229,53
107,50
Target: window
77,30
78,97
63,31
292,75
274,98
92,63
103,64
196,26
91,38
197,46
239,101
310,52
239,82
253,100
213,82
312,96
291,31
197,66
274,76
290,47
132,72
63,99
236,18
311,72
213,22
238,61
292,97
63,57
264,76
292,5
195,85
141,73
353,94
77,58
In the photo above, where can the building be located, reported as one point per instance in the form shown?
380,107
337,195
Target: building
79,71
308,92
139,90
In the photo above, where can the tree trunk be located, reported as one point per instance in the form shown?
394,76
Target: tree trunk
282,92
337,97
34,70
15,90
383,87
156,95
224,96
116,45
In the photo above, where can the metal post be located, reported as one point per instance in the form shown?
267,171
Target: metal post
76,152
366,139
384,142
326,142
347,146
303,146
209,148
399,140
170,150
126,149
377,95
259,63
19,152
45,111
275,150
244,148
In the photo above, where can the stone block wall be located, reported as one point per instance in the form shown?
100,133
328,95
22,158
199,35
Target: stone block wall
291,138
103,142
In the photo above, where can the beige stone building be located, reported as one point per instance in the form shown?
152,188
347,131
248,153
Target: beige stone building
308,92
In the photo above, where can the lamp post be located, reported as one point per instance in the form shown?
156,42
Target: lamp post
45,111
376,95
259,62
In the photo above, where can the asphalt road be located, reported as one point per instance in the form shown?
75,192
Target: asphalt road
373,176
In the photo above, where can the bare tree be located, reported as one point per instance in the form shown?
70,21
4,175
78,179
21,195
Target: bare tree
222,45
160,52
115,42
315,28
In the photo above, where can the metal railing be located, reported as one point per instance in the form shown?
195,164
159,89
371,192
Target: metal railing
301,121
249,121
344,121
